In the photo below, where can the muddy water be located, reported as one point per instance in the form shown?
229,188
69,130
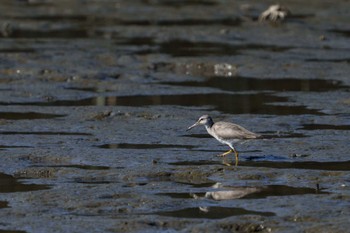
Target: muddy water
95,98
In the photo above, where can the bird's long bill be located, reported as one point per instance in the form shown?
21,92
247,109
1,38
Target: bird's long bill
192,126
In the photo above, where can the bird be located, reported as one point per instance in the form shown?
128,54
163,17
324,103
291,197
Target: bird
226,133
275,13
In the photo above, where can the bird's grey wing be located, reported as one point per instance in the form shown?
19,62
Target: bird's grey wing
226,130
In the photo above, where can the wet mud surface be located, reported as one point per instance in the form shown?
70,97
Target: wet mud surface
96,97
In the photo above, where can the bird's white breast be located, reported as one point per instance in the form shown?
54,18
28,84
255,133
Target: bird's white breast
210,131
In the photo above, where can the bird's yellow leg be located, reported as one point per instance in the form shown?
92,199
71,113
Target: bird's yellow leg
226,153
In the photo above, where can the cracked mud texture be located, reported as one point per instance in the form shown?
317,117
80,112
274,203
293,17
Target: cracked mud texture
95,98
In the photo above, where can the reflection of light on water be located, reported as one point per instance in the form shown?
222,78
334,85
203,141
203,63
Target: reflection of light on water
199,69
224,70
204,209
106,101
231,193
100,101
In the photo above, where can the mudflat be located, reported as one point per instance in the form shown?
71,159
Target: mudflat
96,97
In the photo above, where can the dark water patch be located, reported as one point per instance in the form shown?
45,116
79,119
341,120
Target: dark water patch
199,185
347,60
180,195
88,167
26,115
88,89
31,115
342,32
87,29
87,22
197,135
3,204
8,147
66,33
275,162
300,16
9,184
11,231
197,22
181,22
142,146
116,196
134,41
56,18
78,166
183,48
266,157
257,103
196,163
214,212
130,185
91,181
324,127
256,84
309,165
45,133
283,190
13,50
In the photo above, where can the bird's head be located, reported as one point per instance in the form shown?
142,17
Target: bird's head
203,120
